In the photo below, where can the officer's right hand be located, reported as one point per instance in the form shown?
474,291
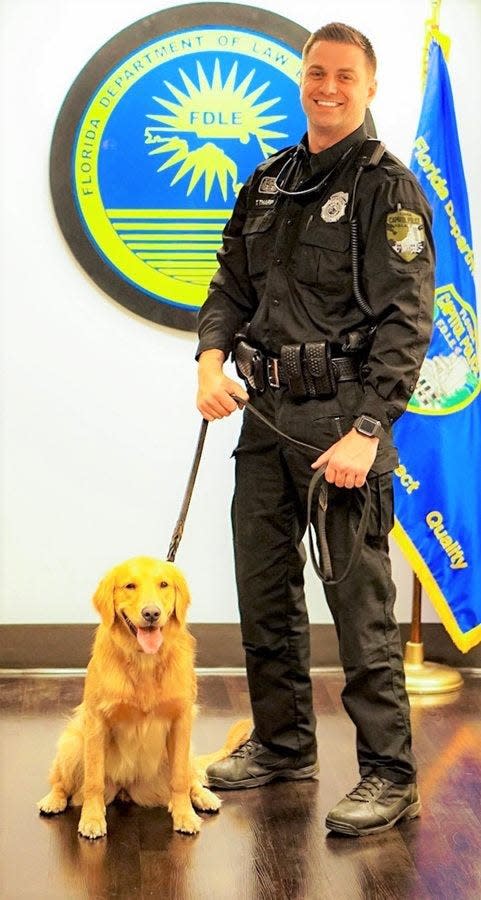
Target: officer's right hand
214,396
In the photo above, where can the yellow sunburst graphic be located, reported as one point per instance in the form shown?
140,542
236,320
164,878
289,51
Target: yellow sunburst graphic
212,110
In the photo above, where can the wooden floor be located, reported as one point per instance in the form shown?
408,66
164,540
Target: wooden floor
265,844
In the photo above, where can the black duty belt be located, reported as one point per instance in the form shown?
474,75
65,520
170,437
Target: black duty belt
306,370
345,368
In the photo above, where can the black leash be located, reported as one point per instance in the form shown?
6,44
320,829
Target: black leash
179,528
323,566
325,573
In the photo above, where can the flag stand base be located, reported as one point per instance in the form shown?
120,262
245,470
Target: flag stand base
425,677
422,677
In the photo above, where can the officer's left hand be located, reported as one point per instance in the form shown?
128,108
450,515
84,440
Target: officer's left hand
349,459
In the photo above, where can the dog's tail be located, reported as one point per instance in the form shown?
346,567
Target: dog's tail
237,735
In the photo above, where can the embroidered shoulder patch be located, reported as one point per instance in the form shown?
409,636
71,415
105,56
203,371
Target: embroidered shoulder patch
405,233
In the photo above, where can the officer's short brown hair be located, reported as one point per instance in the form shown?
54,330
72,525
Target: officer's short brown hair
338,33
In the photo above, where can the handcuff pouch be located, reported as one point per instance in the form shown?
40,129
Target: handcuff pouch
292,367
319,373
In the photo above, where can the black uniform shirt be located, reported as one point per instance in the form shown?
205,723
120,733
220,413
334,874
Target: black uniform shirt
286,266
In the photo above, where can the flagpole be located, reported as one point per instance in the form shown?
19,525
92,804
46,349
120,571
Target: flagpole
425,677
432,32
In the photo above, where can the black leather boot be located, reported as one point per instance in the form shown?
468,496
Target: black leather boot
375,804
253,765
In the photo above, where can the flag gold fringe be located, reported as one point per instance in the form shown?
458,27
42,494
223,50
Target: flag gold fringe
464,640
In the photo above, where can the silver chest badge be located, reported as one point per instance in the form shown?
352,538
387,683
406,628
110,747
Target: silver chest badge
268,185
335,207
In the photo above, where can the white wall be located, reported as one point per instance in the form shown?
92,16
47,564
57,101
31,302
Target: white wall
98,416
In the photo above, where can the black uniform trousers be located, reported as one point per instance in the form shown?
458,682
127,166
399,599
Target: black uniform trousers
269,520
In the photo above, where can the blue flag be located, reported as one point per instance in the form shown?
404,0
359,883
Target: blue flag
437,484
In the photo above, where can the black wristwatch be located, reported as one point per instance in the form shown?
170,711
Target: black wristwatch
368,426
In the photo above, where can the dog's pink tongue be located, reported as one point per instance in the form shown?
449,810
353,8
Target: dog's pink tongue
150,639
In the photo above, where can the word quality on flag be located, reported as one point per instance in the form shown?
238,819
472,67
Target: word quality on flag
438,489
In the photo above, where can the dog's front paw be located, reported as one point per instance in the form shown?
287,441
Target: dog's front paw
92,823
205,800
92,828
187,823
53,803
185,819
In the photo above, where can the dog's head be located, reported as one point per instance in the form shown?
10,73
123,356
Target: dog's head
144,595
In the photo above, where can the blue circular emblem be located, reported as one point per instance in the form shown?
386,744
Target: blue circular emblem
156,146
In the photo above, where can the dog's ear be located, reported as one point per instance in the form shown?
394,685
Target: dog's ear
182,595
103,599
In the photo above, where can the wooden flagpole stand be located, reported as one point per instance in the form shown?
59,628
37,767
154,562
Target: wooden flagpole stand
425,677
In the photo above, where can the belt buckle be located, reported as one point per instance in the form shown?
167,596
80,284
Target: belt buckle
272,366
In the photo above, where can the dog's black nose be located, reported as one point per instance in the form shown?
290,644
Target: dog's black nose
151,614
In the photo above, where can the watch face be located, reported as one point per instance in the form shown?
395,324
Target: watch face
366,425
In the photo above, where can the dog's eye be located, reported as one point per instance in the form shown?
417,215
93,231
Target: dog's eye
163,584
130,586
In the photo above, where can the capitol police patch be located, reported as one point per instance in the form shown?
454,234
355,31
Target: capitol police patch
405,233
155,139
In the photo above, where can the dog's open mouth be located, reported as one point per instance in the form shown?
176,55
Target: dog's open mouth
149,638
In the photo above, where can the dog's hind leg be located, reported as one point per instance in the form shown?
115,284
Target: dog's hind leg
203,799
57,799
66,774
238,734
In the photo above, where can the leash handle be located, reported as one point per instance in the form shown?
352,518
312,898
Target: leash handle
179,527
323,566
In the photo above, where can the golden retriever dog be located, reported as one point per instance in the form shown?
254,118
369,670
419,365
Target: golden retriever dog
131,735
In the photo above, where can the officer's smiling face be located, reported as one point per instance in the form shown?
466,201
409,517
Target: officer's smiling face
337,85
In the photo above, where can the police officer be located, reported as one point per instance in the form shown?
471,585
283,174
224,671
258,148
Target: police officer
327,267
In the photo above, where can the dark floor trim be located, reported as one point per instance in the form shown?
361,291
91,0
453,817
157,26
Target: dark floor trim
218,646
